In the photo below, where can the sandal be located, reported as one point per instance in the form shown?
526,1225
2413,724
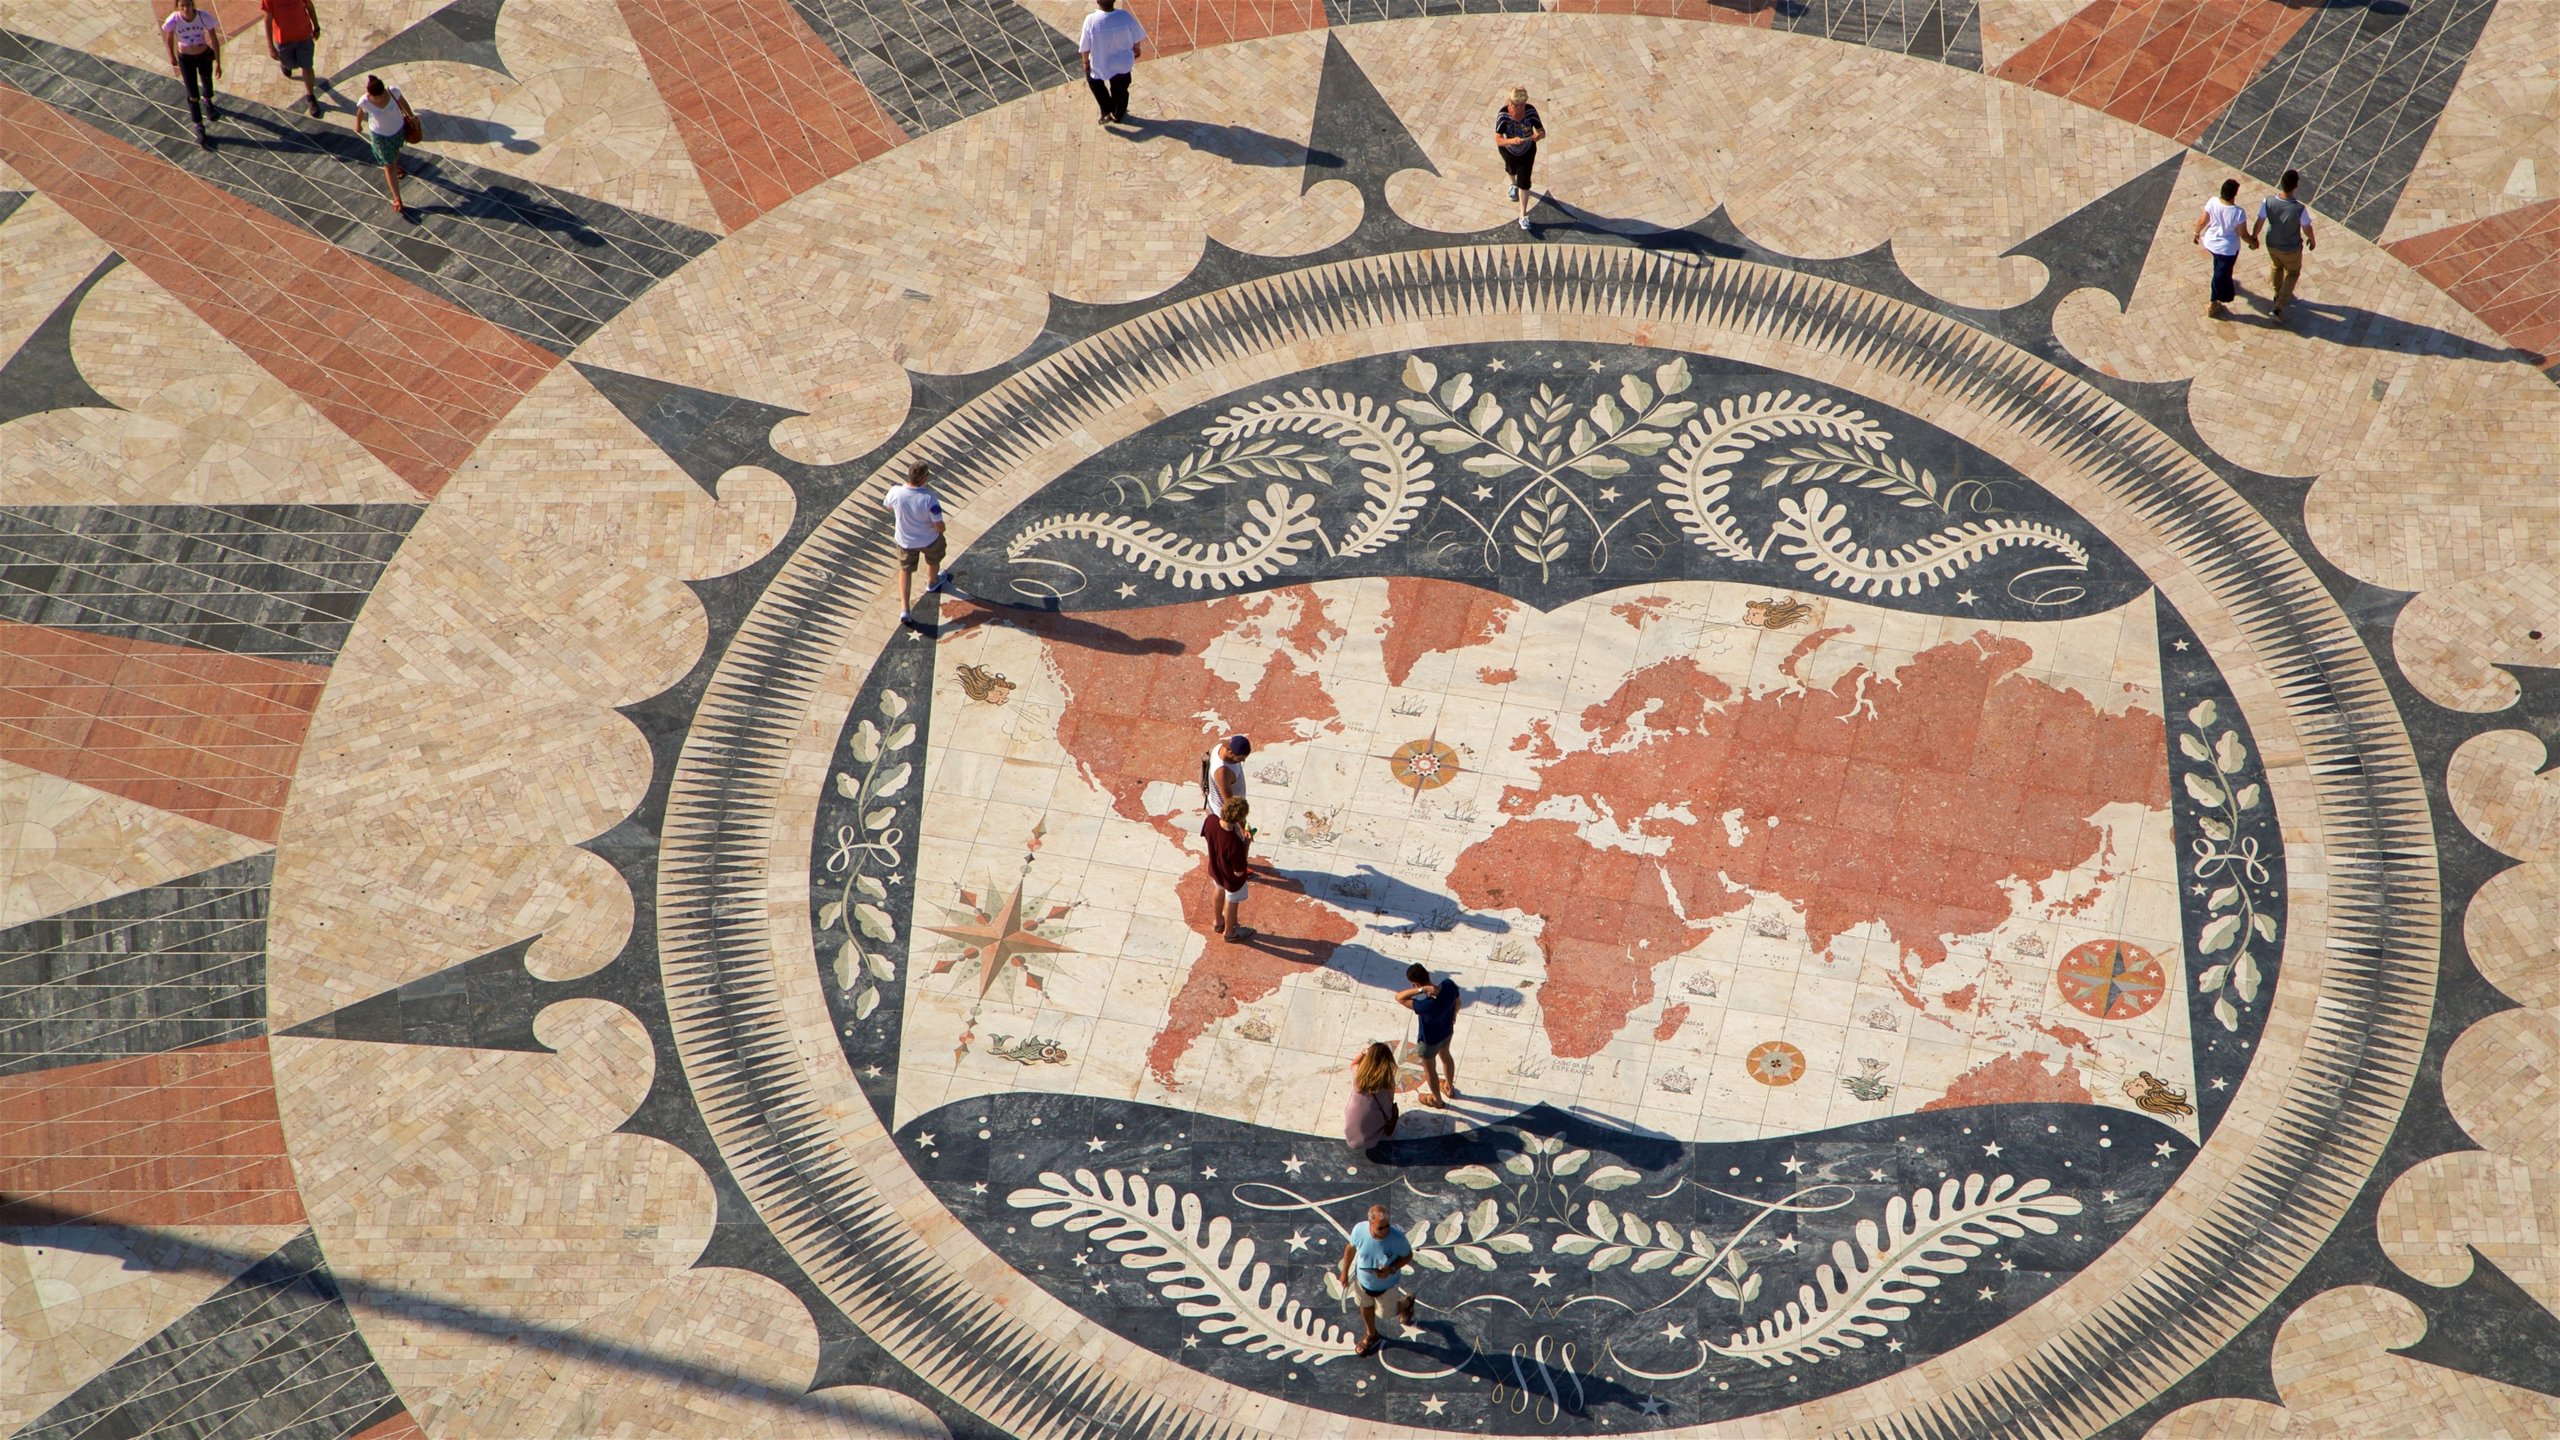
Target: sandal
1239,935
1435,1102
1367,1347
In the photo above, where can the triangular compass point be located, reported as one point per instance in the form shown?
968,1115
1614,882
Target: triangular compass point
2104,244
1357,135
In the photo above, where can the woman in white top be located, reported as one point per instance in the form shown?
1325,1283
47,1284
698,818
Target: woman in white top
2221,230
382,118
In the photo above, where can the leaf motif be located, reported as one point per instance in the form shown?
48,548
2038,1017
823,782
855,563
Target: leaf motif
1606,414
1689,1267
1509,436
2193,747
1636,1229
2212,978
892,704
1639,395
846,787
1487,414
2264,924
865,743
1474,1177
1583,435
1610,1255
874,922
1750,1289
2227,1013
2246,797
870,885
1570,1161
846,971
1449,441
1722,1288
2204,791
2202,715
1475,1255
1489,466
1734,1265
1512,1243
1602,1220
1612,1177
1420,374
881,967
2229,754
1519,1164
1671,414
2219,934
1451,1226
1863,1290
866,1002
2224,898
901,738
879,819
1455,395
1433,1260
1420,412
1700,1243
1575,1244
1600,467
1653,1260
2213,829
829,914
893,782
1197,1262
1673,377
1484,1218
1642,442
2244,977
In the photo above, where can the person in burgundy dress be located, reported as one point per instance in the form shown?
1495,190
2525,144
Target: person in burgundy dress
1229,841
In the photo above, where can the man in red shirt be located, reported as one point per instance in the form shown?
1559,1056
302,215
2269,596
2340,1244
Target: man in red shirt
292,27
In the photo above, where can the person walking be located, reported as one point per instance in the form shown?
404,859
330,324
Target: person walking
387,123
918,530
1435,1013
1377,1255
1222,772
2284,227
1516,133
293,29
2220,230
194,40
1371,1114
1230,845
1111,42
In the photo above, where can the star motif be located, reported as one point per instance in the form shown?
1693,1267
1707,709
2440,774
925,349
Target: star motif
1190,1342
2195,889
2221,1084
1000,941
1791,1165
871,1072
1208,1172
924,1139
1875,1174
1651,1406
1127,590
1991,1149
1101,1287
1542,1276
979,1188
1297,1240
1675,1331
1497,364
2106,1197
1081,1259
1094,1144
1965,597
2178,645
1482,492
1595,367
2008,1266
2166,1149
1608,492
897,877
1985,1292
1787,1244
1895,1345
1434,1405
1293,1164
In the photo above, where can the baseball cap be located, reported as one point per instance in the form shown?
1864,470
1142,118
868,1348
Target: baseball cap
1240,745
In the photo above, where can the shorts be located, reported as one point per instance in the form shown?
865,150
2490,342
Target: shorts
1380,1298
293,55
934,552
386,148
1519,166
1427,1049
1236,896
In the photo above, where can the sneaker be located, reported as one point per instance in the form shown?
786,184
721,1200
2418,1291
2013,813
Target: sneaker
1515,192
1524,222
212,113
202,139
316,112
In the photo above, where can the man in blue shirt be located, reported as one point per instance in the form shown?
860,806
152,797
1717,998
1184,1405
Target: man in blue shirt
1435,1015
1377,1254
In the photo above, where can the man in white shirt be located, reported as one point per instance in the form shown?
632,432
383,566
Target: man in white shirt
916,518
1111,43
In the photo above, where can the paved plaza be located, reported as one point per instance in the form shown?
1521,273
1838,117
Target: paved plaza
1994,826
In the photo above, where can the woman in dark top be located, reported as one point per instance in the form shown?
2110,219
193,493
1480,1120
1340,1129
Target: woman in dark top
1371,1114
1229,841
1516,133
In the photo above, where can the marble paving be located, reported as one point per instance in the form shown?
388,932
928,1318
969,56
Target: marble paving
1994,835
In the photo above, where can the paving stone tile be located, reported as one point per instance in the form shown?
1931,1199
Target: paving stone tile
2504,269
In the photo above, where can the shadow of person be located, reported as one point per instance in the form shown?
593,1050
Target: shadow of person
1236,144
1060,629
465,130
1551,217
1374,891
2352,325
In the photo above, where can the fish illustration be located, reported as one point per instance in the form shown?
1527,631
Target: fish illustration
1029,1050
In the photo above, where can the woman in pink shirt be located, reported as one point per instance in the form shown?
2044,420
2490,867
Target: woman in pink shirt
1371,1114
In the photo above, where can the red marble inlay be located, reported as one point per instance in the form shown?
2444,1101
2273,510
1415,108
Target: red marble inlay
765,108
1143,705
189,1137
2167,65
200,733
1174,26
1424,617
1904,801
2504,269
2014,1080
402,1426
411,377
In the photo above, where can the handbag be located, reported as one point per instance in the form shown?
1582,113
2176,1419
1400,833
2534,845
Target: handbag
1395,1112
411,132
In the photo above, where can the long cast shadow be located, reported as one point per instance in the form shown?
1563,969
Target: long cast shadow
2363,329
67,1230
1236,144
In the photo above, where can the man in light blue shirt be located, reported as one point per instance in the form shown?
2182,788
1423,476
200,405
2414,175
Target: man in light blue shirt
1377,1255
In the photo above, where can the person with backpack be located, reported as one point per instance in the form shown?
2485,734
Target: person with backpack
1371,1115
2284,227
